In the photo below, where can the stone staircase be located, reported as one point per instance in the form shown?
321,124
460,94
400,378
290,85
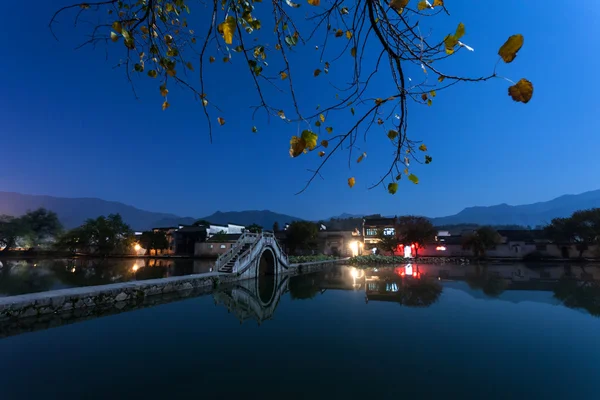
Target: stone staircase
228,267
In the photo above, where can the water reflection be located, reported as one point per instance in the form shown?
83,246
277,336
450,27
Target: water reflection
30,276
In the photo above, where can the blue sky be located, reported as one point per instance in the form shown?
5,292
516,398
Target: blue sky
72,127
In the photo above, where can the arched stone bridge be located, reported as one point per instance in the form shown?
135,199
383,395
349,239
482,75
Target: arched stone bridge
253,255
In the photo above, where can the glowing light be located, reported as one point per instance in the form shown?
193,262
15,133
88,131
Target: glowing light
135,267
441,248
408,269
412,245
73,270
414,273
137,247
354,248
354,273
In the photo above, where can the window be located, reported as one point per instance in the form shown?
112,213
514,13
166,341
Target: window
223,246
389,231
371,232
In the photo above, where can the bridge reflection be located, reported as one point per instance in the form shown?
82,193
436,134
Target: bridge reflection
415,285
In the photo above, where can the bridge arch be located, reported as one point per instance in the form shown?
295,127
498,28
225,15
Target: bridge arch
267,262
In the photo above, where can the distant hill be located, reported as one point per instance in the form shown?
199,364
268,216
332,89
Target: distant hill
264,218
526,215
72,212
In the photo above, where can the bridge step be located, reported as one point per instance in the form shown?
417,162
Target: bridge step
228,268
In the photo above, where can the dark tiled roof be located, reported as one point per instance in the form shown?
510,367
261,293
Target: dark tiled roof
523,235
192,229
230,237
380,221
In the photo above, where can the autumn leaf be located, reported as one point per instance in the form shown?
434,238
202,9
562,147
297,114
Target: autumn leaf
392,134
422,147
322,117
352,110
344,10
353,52
152,73
398,5
324,143
460,31
165,105
522,91
317,72
204,102
321,153
281,114
339,33
438,3
254,129
424,96
292,4
163,90
393,188
361,157
433,93
329,129
227,29
509,49
211,59
297,146
221,121
450,42
314,2
310,139
351,181
379,121
318,123
114,37
117,27
429,102
428,159
441,78
283,75
190,66
348,35
413,178
423,4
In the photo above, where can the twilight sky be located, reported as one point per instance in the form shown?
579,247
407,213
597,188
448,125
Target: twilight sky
72,127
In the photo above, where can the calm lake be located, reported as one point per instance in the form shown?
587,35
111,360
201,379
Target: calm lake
410,331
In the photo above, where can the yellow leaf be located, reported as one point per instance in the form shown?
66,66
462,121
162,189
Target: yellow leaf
281,114
398,5
441,78
429,102
361,157
450,41
423,4
221,121
522,91
378,101
117,27
321,153
329,129
227,29
225,59
168,39
114,37
433,93
348,35
438,3
211,59
165,105
351,181
152,73
283,75
314,2
393,188
144,29
168,7
171,72
509,49
310,139
339,33
406,171
353,52
392,134
413,178
460,31
324,143
322,117
163,91
297,146
422,147
317,72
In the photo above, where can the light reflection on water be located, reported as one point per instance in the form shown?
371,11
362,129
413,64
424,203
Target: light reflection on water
30,276
438,331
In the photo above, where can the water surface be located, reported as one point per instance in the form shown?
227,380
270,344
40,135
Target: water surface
405,332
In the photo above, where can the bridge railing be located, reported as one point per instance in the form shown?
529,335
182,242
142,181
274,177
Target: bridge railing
246,237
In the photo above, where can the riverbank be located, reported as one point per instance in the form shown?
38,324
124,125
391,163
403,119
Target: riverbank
391,260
